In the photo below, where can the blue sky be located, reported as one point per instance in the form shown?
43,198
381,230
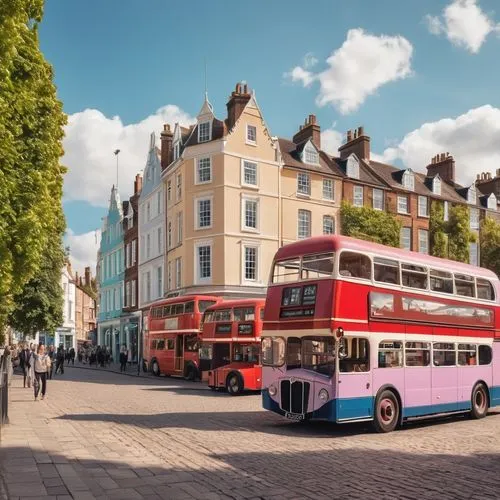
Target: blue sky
129,58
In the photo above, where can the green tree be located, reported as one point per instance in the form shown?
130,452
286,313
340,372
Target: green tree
459,233
31,132
369,224
437,230
490,244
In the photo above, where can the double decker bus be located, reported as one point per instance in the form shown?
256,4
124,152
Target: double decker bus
230,345
171,342
356,331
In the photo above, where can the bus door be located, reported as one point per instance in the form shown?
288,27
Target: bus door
221,354
179,353
354,381
444,377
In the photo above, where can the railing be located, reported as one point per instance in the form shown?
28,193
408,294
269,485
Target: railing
5,375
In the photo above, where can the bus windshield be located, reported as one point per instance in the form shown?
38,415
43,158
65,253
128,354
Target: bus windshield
314,266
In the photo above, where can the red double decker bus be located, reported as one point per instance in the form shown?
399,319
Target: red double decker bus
171,343
230,345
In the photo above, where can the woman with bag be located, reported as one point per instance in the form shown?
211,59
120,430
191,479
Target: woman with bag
40,366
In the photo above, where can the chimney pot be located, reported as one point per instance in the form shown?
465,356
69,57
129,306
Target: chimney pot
361,131
478,177
349,136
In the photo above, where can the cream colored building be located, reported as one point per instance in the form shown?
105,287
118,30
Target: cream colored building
233,197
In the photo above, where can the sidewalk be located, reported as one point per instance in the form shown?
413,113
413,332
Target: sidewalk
113,367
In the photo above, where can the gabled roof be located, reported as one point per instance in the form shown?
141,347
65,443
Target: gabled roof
219,130
365,175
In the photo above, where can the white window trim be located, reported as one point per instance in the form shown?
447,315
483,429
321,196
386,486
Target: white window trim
332,218
474,222
196,171
197,245
407,203
197,214
242,180
446,211
381,191
244,228
299,193
310,145
299,237
209,131
354,188
427,206
401,239
180,231
436,185
408,180
426,232
247,140
492,202
323,189
257,246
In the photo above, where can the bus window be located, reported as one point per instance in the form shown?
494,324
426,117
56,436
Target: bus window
414,276
444,354
386,270
223,315
273,351
318,354
153,344
317,266
441,281
178,309
358,358
355,265
166,311
244,314
293,353
262,314
208,317
206,352
464,285
170,344
485,354
203,304
467,354
484,289
390,354
417,353
286,271
191,343
160,344
246,353
189,307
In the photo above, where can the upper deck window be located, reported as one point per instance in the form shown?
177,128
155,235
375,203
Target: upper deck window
355,265
317,266
464,285
441,281
485,289
286,271
223,315
244,314
203,304
189,307
414,276
386,270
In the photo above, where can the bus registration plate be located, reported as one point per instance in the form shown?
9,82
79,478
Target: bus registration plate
297,417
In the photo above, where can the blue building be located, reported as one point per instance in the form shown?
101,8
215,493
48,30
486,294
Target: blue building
111,271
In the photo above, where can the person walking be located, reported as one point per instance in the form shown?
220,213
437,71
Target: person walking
24,363
60,360
52,355
72,356
39,368
123,358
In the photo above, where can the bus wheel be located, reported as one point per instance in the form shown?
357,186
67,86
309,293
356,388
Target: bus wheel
386,412
155,368
234,384
144,367
479,407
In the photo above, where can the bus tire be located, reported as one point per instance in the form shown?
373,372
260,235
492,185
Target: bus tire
145,367
479,401
234,384
387,410
155,368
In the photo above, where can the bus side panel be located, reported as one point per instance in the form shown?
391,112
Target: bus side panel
495,389
394,377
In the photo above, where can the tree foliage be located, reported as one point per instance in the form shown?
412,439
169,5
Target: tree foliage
437,230
369,224
490,245
31,132
459,233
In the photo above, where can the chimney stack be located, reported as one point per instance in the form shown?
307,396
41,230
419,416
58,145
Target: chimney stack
310,130
87,276
359,144
167,137
236,104
498,172
138,184
444,165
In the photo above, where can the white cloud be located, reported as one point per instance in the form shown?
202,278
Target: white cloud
331,140
464,24
83,249
90,141
357,69
472,138
310,61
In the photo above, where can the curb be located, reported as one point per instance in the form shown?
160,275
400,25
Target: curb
129,374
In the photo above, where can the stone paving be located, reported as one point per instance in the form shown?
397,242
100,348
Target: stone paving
101,435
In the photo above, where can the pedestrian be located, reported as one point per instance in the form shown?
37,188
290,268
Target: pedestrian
39,369
52,355
123,358
72,356
60,360
24,363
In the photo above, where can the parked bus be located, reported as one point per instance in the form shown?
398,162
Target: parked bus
171,342
356,331
230,345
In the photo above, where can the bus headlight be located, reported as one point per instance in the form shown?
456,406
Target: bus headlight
272,390
323,395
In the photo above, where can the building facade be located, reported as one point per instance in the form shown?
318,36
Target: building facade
131,316
111,274
85,320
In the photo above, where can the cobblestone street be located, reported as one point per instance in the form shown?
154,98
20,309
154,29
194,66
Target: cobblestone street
104,435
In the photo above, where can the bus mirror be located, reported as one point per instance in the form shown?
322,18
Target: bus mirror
342,348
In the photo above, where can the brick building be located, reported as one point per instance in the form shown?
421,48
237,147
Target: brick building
85,308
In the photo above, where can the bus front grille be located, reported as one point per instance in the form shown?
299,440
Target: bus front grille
294,396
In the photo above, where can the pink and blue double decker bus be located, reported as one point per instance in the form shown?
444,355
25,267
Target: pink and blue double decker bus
356,331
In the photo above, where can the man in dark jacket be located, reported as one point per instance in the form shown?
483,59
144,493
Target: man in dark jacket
60,360
52,355
25,364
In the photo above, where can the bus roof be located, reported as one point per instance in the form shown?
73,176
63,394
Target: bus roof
335,243
226,304
183,298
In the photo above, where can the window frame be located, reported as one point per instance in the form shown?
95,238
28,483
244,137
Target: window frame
332,189
301,184
381,192
407,204
304,212
209,132
252,142
197,202
356,190
250,199
423,199
420,240
332,220
243,181
255,247
197,246
197,177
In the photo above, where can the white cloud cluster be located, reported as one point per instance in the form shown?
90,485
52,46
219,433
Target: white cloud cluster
472,138
90,141
357,69
464,24
331,140
83,249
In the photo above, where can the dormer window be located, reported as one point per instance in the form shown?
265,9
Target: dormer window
311,155
177,148
492,202
352,169
409,180
436,185
204,131
471,195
